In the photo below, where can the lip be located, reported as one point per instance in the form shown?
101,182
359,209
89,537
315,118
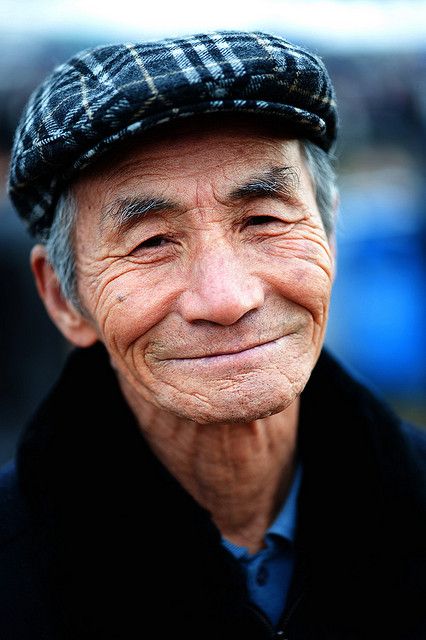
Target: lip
255,356
224,354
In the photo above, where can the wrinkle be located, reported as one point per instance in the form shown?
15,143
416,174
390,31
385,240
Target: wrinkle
104,295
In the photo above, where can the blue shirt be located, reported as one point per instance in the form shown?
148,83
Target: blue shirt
269,571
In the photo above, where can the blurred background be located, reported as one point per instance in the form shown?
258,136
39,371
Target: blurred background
376,54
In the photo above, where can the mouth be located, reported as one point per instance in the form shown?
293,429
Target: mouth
227,352
259,355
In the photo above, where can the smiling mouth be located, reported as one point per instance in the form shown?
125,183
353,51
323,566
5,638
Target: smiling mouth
228,353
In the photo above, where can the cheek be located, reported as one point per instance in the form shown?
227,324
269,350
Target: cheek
127,305
303,274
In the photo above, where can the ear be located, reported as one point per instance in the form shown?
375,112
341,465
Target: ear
71,323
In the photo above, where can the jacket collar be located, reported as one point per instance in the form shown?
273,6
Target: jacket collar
85,469
85,420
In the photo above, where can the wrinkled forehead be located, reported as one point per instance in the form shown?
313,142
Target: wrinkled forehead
198,137
200,164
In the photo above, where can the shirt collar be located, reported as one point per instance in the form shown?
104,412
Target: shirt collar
284,525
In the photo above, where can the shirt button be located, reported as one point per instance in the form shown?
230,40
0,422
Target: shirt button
262,575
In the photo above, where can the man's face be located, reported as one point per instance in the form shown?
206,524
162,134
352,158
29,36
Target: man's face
204,266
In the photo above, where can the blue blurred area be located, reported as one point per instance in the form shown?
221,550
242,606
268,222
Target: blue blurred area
378,311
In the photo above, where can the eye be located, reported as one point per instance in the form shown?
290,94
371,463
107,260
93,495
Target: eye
153,243
258,220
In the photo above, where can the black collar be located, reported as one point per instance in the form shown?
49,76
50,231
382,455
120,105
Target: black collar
87,471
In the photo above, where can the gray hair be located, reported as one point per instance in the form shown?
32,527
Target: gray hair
60,240
60,249
321,167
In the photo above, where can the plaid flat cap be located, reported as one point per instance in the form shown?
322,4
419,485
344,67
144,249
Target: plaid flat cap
106,94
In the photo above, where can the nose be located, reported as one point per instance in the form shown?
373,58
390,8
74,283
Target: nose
220,288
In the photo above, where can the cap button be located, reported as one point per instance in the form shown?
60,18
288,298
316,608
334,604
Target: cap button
219,92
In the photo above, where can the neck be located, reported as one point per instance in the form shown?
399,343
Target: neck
240,472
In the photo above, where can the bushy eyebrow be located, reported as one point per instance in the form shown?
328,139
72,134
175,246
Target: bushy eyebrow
273,182
125,212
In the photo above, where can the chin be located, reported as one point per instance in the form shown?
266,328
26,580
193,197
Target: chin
235,408
235,417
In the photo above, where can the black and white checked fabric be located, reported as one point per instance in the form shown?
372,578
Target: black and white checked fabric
106,94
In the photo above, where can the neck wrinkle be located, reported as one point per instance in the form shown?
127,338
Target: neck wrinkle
240,473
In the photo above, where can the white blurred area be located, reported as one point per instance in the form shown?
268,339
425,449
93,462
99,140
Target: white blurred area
343,24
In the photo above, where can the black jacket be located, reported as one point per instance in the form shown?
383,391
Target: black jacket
97,539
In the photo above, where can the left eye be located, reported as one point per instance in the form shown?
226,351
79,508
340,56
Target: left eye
257,220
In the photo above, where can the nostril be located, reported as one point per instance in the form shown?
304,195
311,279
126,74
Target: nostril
223,306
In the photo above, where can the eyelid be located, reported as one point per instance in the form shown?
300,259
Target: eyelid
159,236
272,216
263,218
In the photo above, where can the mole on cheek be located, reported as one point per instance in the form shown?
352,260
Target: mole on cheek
120,297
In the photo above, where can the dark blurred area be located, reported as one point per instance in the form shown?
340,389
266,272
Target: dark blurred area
377,323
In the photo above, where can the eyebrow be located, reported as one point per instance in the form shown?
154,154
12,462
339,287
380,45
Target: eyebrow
125,212
273,182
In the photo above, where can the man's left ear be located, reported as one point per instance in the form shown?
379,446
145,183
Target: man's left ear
77,328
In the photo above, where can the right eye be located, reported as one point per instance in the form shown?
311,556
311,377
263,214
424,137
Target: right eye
152,243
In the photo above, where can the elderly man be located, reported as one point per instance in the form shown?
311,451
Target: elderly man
203,468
